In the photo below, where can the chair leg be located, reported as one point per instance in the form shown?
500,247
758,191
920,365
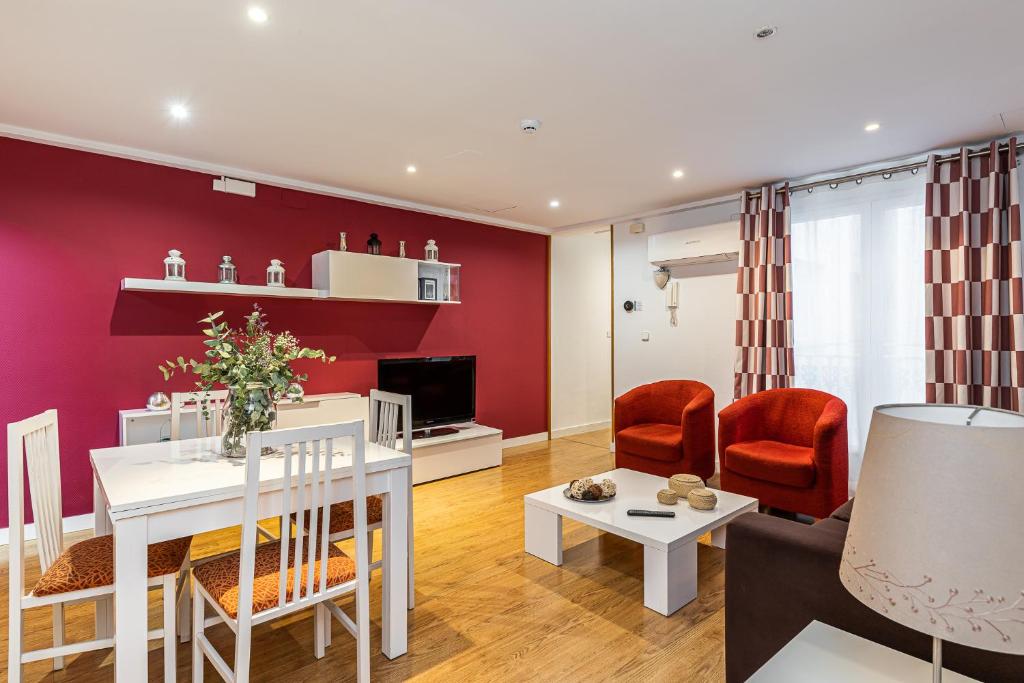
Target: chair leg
243,653
328,623
14,642
185,606
318,631
58,634
198,625
363,632
170,633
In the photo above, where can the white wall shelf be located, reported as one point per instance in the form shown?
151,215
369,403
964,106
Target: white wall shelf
134,284
338,276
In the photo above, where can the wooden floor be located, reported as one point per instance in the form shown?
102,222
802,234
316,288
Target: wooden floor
484,610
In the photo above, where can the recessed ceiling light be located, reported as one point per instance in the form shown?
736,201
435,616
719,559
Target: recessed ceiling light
678,173
872,127
554,203
258,15
765,32
178,111
410,169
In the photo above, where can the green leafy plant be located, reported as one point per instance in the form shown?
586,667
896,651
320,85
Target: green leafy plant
253,363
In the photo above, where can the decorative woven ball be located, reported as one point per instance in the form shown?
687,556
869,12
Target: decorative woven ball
595,492
684,483
702,499
578,486
668,496
608,488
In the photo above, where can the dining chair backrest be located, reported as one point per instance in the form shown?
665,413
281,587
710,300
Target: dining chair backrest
311,486
386,409
33,444
209,422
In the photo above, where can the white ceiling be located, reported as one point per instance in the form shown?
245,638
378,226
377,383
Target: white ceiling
347,93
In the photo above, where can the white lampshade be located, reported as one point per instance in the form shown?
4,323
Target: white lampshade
936,540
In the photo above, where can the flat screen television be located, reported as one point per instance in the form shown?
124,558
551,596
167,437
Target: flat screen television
443,388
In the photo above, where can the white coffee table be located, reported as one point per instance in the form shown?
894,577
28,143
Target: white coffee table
670,545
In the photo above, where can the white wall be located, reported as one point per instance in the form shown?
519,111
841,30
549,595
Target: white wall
702,346
580,325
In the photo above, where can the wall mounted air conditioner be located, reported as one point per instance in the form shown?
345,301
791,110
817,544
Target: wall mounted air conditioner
706,244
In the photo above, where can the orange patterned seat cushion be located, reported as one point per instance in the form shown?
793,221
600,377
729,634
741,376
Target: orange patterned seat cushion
220,577
90,564
342,518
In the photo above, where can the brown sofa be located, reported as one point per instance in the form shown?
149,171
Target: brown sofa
780,575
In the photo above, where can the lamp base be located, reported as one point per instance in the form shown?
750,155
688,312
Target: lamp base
936,660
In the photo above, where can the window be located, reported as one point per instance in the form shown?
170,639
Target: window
858,297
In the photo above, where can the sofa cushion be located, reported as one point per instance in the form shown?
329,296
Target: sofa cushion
779,463
654,441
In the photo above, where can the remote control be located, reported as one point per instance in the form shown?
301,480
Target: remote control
650,513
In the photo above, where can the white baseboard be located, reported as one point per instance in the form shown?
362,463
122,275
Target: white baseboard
580,429
523,440
71,524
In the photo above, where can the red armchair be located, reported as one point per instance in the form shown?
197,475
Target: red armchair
666,428
787,448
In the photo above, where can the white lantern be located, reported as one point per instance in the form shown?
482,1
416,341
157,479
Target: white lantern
430,251
275,274
174,266
227,274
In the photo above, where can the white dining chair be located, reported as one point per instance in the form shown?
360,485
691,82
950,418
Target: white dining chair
209,422
386,409
260,583
81,572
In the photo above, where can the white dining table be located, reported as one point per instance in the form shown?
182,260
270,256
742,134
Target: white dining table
156,492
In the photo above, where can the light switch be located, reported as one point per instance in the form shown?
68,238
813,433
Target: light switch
645,335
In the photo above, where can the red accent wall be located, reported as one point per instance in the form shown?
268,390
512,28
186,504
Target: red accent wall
72,224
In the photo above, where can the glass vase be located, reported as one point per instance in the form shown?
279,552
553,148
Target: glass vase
250,409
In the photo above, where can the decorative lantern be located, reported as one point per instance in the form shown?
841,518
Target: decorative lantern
430,251
342,241
373,244
227,274
401,248
275,274
174,266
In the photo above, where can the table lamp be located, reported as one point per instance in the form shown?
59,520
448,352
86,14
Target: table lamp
935,541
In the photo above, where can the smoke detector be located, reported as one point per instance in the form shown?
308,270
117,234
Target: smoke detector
529,126
765,32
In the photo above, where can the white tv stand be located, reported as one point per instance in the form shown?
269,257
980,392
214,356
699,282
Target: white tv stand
473,447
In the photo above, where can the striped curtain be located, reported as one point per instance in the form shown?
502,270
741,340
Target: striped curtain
974,299
764,321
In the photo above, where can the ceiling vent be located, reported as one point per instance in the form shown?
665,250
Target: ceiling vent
234,186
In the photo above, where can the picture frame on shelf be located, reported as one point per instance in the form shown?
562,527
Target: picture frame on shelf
428,289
